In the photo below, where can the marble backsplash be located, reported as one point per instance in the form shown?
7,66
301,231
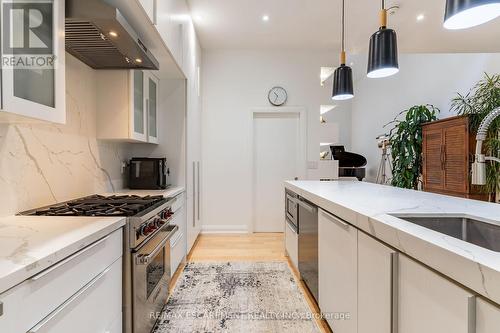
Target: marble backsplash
42,163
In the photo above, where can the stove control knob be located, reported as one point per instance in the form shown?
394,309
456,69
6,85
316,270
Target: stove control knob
143,230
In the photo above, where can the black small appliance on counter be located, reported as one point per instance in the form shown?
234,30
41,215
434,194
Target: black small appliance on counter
148,174
350,164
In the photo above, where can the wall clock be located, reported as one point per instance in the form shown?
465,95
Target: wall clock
277,96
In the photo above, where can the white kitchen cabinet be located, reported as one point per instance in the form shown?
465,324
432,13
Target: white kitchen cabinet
150,9
178,243
38,93
430,303
338,272
194,166
292,244
127,105
80,313
487,317
376,265
47,297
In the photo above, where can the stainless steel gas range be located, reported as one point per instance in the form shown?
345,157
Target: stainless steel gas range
146,252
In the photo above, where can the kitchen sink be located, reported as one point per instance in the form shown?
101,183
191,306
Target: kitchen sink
470,230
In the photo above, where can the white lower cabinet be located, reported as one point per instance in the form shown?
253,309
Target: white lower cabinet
91,309
60,291
376,266
178,244
487,317
338,271
292,244
430,303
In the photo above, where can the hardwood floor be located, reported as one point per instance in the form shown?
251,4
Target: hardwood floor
247,247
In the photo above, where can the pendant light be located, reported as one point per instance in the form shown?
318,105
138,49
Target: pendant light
383,53
342,77
462,14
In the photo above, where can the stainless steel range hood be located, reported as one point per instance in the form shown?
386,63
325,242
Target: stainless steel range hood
98,35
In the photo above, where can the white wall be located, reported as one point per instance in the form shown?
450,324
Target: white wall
44,163
234,82
423,79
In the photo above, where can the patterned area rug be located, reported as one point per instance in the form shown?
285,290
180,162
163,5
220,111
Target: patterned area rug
236,297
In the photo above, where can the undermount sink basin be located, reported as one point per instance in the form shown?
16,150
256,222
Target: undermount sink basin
470,230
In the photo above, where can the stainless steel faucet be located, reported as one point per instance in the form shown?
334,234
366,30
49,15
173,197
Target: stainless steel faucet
479,165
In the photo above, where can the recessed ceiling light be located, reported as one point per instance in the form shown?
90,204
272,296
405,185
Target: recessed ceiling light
420,17
265,18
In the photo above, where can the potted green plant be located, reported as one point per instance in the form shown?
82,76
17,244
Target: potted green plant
406,145
483,98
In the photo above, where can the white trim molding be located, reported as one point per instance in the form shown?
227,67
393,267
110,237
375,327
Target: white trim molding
225,229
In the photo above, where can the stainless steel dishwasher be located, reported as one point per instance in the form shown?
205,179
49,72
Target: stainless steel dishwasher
308,245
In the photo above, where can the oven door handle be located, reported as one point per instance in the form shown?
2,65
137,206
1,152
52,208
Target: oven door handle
144,260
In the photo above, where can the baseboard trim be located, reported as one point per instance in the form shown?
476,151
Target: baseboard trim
225,229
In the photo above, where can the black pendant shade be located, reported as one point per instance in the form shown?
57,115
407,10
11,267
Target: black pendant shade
383,54
461,14
342,83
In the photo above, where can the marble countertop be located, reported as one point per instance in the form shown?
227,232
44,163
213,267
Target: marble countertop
30,244
167,193
367,206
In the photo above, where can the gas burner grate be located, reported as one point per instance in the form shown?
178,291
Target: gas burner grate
99,205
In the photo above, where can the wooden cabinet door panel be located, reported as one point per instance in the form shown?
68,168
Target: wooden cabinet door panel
456,139
433,159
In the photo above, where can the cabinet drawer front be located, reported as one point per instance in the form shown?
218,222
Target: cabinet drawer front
179,202
291,244
80,314
43,293
177,253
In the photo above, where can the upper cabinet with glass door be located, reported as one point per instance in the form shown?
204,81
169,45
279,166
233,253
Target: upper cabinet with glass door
127,106
33,59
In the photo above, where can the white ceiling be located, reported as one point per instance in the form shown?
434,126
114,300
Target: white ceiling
315,24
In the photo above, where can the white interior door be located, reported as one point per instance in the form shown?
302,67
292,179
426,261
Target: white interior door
277,157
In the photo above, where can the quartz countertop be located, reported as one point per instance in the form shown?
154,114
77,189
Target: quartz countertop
30,244
167,193
367,206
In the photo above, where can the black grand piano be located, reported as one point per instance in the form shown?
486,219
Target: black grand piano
350,164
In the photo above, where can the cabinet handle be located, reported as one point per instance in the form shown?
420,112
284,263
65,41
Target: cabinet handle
335,219
394,291
63,306
471,314
198,192
68,259
194,194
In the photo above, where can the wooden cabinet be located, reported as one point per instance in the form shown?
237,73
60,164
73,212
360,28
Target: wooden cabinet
127,105
430,303
447,151
377,264
338,272
487,317
39,92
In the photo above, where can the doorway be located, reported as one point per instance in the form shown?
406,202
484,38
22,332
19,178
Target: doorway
278,155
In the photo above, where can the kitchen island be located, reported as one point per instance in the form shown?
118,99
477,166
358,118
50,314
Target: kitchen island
368,219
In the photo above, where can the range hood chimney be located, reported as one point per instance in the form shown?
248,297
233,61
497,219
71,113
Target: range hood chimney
99,35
